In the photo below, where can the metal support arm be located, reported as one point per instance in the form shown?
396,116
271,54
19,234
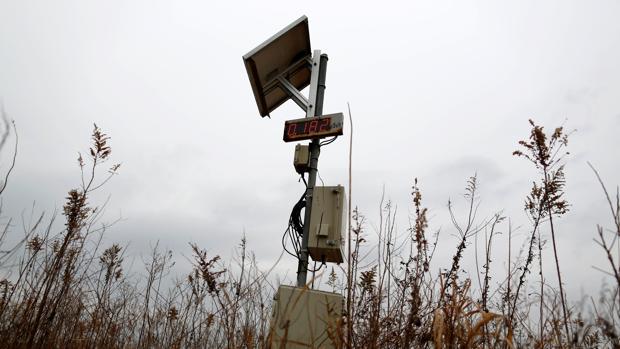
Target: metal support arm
295,95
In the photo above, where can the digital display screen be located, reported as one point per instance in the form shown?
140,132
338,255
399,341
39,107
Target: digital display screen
303,128
315,127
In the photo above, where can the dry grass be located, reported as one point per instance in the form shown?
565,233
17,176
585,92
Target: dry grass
64,289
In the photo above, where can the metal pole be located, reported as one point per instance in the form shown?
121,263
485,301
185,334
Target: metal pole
315,150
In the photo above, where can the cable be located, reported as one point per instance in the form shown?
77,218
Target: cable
328,142
295,220
295,229
319,268
318,173
284,244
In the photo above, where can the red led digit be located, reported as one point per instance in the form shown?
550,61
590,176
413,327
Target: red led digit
324,125
292,130
305,127
314,125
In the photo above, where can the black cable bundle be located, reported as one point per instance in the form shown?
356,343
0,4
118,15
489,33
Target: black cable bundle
295,229
296,220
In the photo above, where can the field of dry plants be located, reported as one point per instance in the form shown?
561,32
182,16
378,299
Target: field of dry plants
66,290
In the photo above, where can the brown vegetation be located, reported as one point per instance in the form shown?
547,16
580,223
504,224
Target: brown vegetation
66,290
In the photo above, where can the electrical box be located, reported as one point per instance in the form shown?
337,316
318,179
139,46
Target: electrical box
301,161
327,224
304,318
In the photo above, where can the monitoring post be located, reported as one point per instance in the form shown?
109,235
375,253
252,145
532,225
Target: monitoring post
279,69
315,151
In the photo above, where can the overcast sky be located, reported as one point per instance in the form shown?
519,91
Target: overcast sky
438,90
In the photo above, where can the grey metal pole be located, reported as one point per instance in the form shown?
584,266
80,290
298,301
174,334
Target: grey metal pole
315,150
